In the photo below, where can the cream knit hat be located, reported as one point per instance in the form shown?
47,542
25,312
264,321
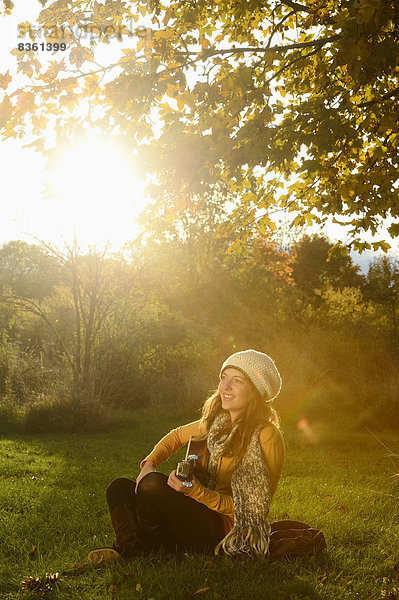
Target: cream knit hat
260,370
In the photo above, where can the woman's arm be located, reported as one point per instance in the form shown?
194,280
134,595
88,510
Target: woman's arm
222,503
172,442
273,448
167,446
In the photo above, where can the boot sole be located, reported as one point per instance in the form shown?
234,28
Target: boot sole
103,556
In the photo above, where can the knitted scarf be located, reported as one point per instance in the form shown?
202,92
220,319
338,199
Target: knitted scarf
251,490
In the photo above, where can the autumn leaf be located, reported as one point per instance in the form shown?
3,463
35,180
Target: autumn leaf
202,591
209,563
204,43
5,80
5,109
33,550
25,103
77,566
79,55
25,67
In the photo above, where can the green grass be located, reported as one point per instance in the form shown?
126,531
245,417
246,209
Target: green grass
52,495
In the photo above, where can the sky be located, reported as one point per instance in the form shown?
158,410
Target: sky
97,192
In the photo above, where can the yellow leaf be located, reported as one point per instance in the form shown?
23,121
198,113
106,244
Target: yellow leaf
204,43
5,80
141,44
171,90
202,590
77,566
5,109
180,103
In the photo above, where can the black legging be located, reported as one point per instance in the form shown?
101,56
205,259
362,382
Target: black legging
171,518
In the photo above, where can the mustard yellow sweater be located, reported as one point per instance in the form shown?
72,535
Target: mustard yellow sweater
221,498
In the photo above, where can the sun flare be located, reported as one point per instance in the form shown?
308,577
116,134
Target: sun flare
97,194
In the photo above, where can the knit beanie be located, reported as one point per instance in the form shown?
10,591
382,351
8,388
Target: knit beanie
260,370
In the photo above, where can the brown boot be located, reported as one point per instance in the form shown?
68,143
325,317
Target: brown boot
128,543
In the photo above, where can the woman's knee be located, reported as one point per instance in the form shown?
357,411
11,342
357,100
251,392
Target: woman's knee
153,484
120,489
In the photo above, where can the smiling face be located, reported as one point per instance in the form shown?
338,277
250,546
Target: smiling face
235,391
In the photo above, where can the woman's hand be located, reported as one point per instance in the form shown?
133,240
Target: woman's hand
176,483
148,467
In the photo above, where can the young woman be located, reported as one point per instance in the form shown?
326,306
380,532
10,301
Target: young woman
243,461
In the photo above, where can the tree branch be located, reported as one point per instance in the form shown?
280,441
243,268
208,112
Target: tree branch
30,306
318,43
295,6
386,96
285,67
277,25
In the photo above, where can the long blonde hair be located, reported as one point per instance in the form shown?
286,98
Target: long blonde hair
258,411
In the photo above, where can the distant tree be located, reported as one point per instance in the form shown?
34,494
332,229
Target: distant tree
383,288
27,270
78,310
199,223
313,268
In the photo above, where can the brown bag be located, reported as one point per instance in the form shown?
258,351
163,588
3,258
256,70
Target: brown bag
293,538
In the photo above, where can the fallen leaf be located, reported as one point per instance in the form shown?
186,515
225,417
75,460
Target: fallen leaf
33,550
127,575
202,590
112,589
138,587
77,566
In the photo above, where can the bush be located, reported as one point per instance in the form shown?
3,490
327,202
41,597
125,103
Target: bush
69,415
11,416
21,373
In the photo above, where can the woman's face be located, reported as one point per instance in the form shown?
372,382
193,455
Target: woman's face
235,391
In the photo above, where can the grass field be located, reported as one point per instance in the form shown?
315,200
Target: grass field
53,511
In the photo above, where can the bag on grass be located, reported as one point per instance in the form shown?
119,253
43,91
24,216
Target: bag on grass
293,538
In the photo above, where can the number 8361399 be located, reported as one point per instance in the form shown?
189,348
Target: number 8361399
34,47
